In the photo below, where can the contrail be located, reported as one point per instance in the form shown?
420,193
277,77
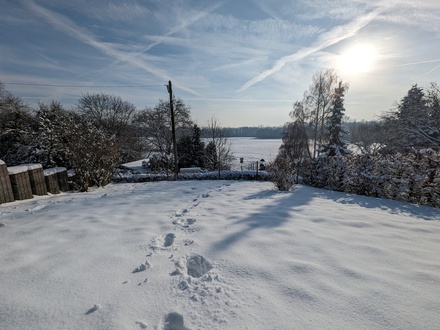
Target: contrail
327,39
417,63
183,25
64,24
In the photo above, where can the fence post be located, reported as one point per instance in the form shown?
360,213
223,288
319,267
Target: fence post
51,177
36,177
20,182
6,194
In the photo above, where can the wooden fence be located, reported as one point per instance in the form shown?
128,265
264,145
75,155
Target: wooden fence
25,181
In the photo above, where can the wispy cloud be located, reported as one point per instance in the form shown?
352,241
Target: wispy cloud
191,19
421,63
327,39
123,11
64,24
269,29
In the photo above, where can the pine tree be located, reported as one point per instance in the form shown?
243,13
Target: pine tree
211,156
197,147
191,149
336,146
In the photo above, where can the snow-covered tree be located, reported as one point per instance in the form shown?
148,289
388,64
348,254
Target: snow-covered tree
17,129
52,135
415,123
336,145
92,153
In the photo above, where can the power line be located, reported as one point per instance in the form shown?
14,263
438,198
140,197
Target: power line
80,86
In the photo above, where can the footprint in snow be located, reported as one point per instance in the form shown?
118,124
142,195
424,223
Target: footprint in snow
142,267
181,212
142,324
205,195
169,239
197,266
2,225
193,265
174,321
163,241
184,222
93,309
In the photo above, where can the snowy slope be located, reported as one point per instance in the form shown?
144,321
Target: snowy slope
218,255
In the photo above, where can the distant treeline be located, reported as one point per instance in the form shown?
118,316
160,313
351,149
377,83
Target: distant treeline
260,132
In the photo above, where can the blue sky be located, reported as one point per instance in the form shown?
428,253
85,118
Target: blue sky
243,61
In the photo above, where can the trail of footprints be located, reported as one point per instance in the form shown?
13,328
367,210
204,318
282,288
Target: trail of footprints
196,276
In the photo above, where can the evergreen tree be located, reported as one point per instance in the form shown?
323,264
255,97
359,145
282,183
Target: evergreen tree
411,112
415,123
211,156
184,146
197,148
336,146
190,149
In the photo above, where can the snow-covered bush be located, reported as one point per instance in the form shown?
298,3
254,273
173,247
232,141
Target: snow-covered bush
413,177
281,174
92,153
160,163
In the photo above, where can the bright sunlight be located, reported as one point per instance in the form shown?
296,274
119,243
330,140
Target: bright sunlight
358,59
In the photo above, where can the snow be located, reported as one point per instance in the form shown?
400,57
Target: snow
13,170
218,255
32,167
53,170
253,150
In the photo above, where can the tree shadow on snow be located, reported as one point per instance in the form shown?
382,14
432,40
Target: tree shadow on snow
272,215
392,206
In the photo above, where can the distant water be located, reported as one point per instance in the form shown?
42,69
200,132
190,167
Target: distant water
253,149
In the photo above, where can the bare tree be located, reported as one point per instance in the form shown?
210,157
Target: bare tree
317,103
154,126
368,137
220,156
115,117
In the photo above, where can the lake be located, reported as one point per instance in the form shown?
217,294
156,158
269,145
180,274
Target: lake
253,149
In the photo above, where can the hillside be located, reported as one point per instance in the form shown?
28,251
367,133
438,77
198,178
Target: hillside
218,255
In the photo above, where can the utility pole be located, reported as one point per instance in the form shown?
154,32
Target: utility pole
173,130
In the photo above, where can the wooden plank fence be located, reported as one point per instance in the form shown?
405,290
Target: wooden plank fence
24,181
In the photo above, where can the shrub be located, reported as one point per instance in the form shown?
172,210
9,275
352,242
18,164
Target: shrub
281,174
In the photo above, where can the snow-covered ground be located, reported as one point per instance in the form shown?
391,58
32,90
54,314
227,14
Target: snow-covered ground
253,150
218,255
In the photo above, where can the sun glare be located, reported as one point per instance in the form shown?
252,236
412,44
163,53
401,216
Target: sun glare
358,59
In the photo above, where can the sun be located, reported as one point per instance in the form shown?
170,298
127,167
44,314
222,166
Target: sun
358,59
